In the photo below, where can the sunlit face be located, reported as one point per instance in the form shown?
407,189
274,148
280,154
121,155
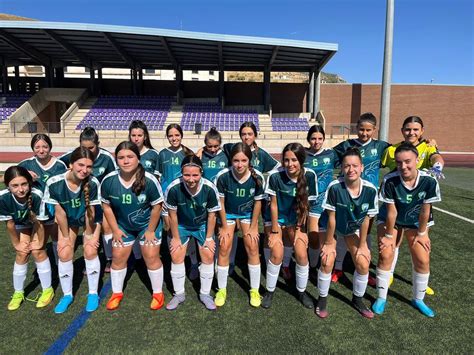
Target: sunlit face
212,146
365,131
316,141
174,138
291,163
248,136
90,145
191,176
81,168
240,163
41,149
412,132
137,136
127,161
352,168
19,187
406,164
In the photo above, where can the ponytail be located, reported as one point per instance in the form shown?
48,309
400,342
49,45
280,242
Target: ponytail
85,187
32,214
254,175
139,183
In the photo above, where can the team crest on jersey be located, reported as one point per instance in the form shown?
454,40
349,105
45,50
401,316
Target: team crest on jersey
326,161
204,204
365,207
252,191
222,164
147,164
373,151
101,170
141,198
421,195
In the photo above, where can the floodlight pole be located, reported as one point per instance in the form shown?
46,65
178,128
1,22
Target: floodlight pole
387,73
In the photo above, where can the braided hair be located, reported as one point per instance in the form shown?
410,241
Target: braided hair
18,171
139,183
244,148
80,153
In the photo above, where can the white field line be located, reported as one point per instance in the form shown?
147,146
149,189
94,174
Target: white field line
454,215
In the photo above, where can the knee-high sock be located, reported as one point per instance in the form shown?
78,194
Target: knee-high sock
233,251
93,274
107,240
359,284
420,283
272,275
44,273
19,276
156,278
395,259
324,281
222,274
383,279
178,274
191,251
118,277
302,273
206,273
66,272
287,254
313,257
341,250
254,273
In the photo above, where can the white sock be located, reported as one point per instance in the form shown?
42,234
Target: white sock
341,250
302,273
359,284
191,251
324,281
383,279
107,239
233,251
395,259
44,273
19,276
287,254
118,277
55,252
156,278
266,254
93,274
137,250
222,273
206,273
313,257
178,274
272,275
420,284
66,272
254,273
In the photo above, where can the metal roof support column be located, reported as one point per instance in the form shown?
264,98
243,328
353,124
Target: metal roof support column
221,88
133,77
4,74
310,103
266,89
179,85
140,81
59,74
317,93
49,76
92,80
16,82
99,81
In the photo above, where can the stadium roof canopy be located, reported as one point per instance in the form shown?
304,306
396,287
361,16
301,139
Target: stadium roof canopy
59,44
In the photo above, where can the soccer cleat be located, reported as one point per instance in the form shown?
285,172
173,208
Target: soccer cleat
108,266
194,272
92,302
321,308
423,308
220,298
372,281
286,273
267,299
46,297
175,302
305,300
255,298
114,301
361,307
63,304
390,282
207,301
157,301
16,301
379,306
429,291
336,275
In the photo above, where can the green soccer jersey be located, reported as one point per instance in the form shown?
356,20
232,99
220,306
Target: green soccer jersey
132,212
409,200
10,208
239,195
169,165
73,202
192,210
104,163
213,164
261,160
279,184
44,173
350,210
149,160
371,152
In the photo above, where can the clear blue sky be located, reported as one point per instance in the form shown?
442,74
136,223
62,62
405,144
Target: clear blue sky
433,39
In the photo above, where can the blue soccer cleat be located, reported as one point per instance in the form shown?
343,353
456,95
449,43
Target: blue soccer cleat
92,302
63,304
379,306
423,308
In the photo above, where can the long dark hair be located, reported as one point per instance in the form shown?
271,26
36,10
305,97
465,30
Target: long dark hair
244,148
19,171
191,160
213,133
315,129
80,153
41,137
137,124
89,134
139,184
254,129
301,183
176,126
